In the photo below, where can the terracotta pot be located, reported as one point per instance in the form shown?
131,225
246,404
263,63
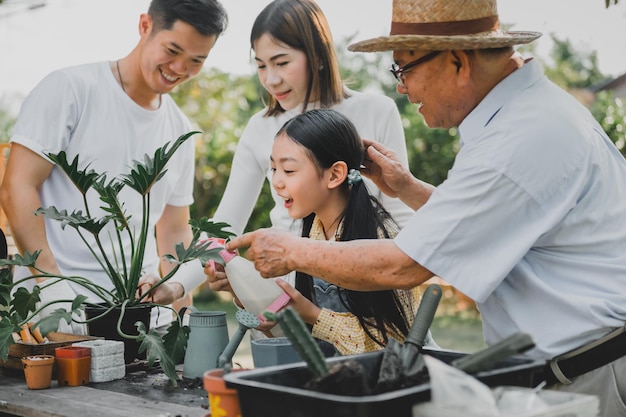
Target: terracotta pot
223,401
38,371
73,365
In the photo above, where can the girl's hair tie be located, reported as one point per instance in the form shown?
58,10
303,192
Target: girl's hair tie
354,177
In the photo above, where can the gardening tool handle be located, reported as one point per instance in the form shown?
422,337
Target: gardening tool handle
424,317
485,359
229,351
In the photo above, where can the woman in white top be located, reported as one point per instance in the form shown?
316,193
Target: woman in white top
298,67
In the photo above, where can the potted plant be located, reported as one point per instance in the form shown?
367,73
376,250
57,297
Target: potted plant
19,305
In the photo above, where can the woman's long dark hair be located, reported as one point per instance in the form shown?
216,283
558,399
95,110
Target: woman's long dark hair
301,25
328,137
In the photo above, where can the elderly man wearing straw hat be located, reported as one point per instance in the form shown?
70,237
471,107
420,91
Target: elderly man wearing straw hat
530,222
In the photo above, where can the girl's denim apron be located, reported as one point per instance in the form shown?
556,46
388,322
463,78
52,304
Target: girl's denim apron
327,296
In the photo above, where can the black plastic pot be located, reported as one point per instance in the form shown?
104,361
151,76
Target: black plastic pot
277,391
106,327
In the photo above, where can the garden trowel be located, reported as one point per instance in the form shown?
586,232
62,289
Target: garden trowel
402,363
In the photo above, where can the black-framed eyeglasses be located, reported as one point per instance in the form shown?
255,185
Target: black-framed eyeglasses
398,71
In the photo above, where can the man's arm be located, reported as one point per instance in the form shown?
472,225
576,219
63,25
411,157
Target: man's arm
364,265
172,228
25,173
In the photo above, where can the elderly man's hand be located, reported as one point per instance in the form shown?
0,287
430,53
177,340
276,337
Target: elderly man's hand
267,248
384,168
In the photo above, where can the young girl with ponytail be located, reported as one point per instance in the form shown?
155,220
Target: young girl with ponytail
315,162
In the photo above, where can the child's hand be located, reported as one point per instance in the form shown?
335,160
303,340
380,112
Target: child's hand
266,327
302,305
216,277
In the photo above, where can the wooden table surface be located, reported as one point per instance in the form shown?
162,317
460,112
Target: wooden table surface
137,395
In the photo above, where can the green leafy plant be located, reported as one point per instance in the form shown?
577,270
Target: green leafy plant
19,305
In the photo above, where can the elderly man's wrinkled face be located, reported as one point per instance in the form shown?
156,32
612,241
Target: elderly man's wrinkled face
430,84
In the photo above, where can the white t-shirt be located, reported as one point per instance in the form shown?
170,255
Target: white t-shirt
375,116
530,222
83,110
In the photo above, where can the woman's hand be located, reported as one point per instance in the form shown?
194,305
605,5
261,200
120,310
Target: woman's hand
165,294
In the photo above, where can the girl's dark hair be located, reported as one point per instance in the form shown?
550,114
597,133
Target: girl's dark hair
328,137
208,17
301,25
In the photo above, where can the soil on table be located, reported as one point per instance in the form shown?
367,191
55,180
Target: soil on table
151,383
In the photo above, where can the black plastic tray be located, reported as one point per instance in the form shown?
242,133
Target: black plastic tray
276,391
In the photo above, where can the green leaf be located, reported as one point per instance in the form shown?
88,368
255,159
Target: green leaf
7,327
175,341
75,220
144,174
211,228
197,251
50,323
25,301
28,259
6,286
83,180
78,303
152,342
109,196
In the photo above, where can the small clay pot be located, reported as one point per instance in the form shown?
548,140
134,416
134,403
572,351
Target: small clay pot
223,401
38,371
73,365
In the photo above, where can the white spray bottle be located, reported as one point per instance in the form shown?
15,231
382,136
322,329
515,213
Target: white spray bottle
256,294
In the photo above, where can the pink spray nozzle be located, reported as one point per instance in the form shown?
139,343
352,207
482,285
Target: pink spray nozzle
217,242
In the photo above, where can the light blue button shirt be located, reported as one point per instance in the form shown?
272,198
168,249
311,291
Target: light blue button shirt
531,222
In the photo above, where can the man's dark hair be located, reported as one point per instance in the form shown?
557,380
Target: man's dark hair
208,17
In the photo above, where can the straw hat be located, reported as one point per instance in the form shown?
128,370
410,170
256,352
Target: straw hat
434,25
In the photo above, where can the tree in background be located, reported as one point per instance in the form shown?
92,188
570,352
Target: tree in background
571,69
220,105
578,73
610,112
